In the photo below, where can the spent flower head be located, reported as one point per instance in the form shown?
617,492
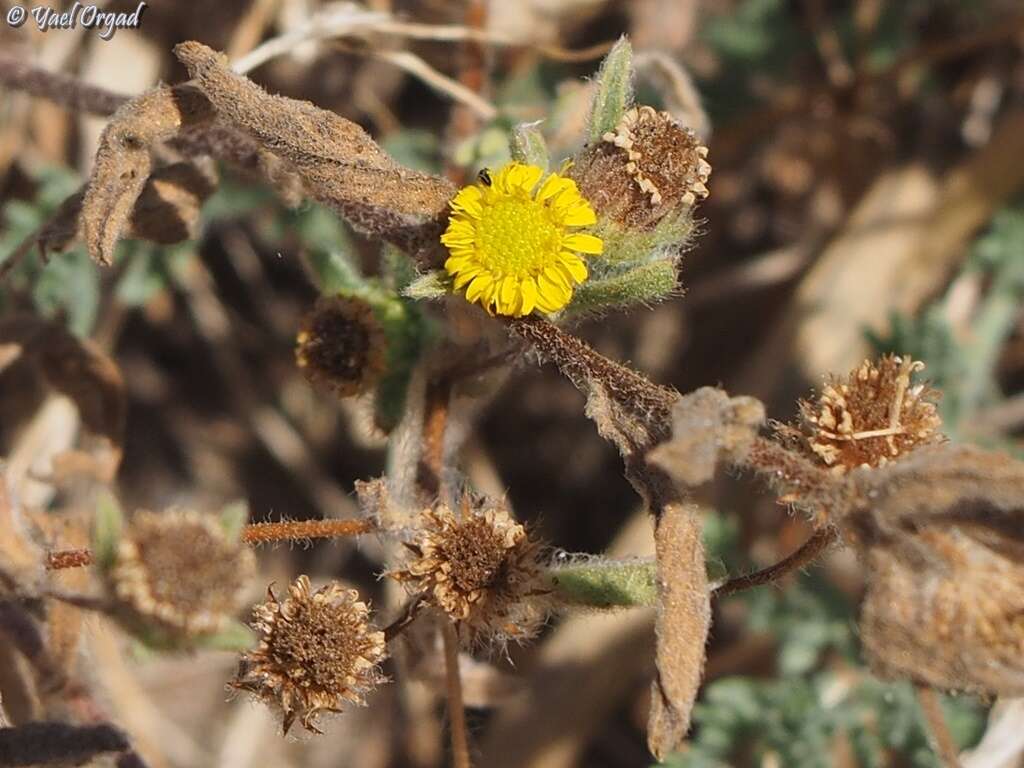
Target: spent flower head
317,651
512,243
178,572
342,345
646,169
480,567
868,419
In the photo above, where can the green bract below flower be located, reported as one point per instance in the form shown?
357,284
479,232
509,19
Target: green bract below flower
511,242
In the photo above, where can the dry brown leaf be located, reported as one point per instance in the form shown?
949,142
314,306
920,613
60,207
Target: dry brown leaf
684,618
708,427
942,533
337,160
628,409
123,160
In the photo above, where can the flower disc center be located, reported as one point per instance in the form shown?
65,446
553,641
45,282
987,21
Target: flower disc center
517,237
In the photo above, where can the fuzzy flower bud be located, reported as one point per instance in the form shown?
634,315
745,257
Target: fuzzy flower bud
647,169
317,651
479,567
342,346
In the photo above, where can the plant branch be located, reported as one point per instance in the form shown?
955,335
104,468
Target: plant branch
807,553
254,533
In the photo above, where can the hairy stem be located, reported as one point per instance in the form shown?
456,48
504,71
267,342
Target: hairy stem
296,530
805,555
456,709
254,533
409,614
938,730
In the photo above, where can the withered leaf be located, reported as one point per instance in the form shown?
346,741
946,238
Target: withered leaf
336,159
683,620
628,409
708,427
942,532
124,162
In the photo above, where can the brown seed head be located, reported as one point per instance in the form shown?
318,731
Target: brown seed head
179,571
869,419
342,345
647,168
317,651
479,567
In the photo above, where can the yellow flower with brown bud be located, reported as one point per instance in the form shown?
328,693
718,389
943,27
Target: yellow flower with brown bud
873,416
317,651
178,572
480,567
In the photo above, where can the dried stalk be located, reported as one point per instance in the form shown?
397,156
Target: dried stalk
456,708
254,533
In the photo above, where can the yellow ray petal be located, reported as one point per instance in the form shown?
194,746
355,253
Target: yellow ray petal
580,215
583,243
527,296
466,276
573,266
468,200
476,290
552,186
553,295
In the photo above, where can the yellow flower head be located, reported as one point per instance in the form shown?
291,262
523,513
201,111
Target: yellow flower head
512,248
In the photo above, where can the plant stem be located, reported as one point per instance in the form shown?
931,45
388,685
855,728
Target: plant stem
456,710
821,540
292,530
409,614
254,533
938,730
68,558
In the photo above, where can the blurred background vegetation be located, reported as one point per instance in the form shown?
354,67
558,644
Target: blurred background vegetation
868,166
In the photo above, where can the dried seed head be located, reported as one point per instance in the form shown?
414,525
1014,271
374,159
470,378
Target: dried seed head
179,572
870,419
342,345
479,567
317,651
644,170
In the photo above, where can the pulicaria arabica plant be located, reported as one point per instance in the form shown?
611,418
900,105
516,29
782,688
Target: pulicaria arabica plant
523,251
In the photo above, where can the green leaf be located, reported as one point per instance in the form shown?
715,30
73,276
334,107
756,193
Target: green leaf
235,637
233,519
70,282
614,90
605,583
106,531
528,146
335,273
643,285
